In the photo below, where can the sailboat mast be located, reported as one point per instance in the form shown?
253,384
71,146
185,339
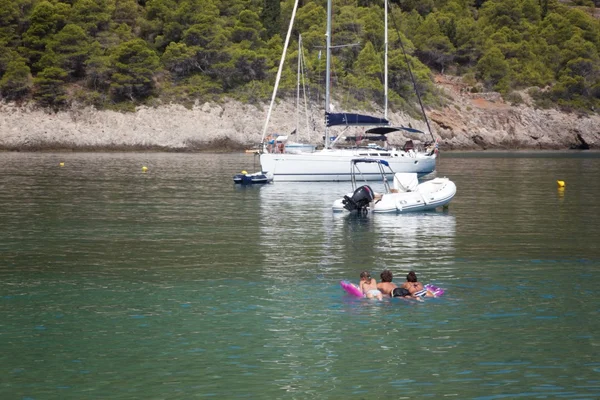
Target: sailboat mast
385,66
327,69
302,72
298,86
278,77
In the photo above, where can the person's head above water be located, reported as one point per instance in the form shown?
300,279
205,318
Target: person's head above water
386,275
365,275
411,277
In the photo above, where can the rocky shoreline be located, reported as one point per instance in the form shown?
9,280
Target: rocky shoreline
467,122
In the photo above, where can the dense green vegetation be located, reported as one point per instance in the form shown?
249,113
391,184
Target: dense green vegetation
121,53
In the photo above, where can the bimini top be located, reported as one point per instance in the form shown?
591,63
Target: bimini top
333,119
369,160
384,130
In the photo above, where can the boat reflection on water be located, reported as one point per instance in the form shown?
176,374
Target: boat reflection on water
296,227
436,230
300,235
421,241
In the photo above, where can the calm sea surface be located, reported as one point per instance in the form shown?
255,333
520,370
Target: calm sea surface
174,284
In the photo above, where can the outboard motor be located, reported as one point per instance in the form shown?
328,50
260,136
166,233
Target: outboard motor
360,199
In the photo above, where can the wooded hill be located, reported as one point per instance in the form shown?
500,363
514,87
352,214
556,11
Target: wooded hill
121,53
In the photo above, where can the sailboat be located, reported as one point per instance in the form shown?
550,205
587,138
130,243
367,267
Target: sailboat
289,143
331,163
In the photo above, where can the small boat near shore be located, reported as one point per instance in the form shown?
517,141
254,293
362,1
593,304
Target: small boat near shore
406,195
244,178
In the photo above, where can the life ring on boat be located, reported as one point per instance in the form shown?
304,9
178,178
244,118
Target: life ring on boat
351,289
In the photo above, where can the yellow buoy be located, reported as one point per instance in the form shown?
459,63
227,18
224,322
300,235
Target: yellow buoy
62,164
561,184
245,172
144,168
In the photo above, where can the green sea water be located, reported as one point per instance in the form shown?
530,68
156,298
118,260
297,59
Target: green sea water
173,283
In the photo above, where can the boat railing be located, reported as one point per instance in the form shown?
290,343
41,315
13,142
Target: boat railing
381,164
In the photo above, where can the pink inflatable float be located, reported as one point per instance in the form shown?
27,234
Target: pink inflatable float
437,291
351,289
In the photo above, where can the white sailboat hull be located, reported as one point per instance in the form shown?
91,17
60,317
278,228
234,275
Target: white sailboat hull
333,165
294,147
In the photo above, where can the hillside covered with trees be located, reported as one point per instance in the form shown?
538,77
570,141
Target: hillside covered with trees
117,54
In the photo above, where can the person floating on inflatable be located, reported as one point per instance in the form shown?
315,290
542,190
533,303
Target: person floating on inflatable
415,287
389,288
411,289
368,286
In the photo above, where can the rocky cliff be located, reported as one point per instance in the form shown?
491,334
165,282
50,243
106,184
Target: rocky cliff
468,121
